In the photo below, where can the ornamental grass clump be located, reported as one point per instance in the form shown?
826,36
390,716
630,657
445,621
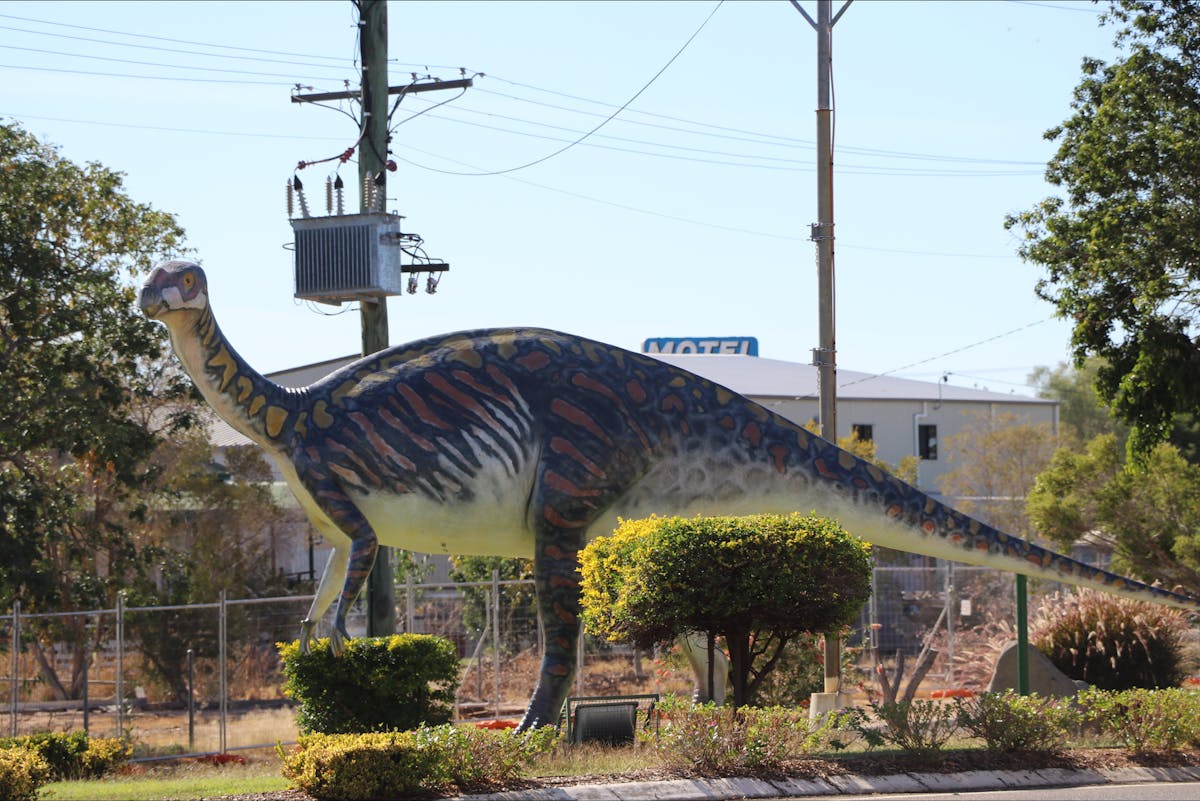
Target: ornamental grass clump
1009,722
1145,720
1110,642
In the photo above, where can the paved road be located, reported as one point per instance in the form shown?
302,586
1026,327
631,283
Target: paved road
1158,791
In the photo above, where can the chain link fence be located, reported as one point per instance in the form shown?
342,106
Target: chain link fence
206,678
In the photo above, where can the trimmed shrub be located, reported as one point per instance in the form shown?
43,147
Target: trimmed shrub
722,741
1145,720
1009,722
756,582
348,767
74,755
22,774
1110,642
378,683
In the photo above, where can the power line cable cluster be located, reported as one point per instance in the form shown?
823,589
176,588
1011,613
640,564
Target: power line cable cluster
772,149
952,166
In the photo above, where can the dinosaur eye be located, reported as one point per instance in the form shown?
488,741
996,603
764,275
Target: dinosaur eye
188,280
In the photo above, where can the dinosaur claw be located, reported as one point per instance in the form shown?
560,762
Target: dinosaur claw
306,635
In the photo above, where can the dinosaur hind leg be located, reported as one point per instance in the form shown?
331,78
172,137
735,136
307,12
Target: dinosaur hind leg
331,580
556,578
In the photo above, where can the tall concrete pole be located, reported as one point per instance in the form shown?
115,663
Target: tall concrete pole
372,177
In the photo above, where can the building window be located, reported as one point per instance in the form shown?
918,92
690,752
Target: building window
864,432
927,441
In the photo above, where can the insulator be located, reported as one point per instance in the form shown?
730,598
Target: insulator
289,199
339,193
299,187
412,284
328,196
430,284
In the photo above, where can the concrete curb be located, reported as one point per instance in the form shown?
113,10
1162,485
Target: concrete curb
729,789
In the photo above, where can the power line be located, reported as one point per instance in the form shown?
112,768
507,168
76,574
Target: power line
115,60
1008,333
609,118
172,50
167,39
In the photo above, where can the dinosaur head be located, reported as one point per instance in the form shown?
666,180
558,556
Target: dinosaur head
173,286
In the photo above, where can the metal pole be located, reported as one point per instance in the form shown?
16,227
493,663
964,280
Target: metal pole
16,669
496,640
120,678
1022,635
191,686
87,661
410,597
224,679
372,177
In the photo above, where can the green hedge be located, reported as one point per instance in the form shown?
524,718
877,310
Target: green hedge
73,755
399,764
378,684
22,774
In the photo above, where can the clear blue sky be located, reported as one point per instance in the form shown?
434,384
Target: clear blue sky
686,215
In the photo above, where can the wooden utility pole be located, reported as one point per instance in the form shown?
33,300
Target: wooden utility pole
824,355
373,167
372,181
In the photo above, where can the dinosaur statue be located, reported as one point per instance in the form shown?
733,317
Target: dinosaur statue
525,442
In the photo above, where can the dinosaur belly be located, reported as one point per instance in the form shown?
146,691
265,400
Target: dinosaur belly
487,526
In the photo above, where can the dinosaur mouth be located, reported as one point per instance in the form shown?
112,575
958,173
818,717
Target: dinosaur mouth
150,301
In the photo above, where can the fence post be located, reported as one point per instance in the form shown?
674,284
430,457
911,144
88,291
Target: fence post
191,668
87,662
221,671
951,610
16,668
119,684
496,641
410,617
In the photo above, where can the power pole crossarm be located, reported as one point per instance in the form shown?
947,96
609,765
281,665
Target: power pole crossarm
407,89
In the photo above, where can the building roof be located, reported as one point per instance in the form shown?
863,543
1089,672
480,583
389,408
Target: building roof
752,376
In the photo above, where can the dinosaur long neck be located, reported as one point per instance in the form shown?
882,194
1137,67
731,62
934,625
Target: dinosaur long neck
257,407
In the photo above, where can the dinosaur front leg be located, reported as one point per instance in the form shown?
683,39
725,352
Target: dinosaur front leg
556,580
353,559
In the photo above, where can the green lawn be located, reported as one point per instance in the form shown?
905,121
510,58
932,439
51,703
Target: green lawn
179,782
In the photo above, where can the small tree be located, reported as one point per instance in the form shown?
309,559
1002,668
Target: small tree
757,582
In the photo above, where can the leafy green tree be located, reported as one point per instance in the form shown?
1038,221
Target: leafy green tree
207,529
1121,245
757,582
1082,413
1145,512
76,359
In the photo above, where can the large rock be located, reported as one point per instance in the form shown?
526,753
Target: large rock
1044,678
